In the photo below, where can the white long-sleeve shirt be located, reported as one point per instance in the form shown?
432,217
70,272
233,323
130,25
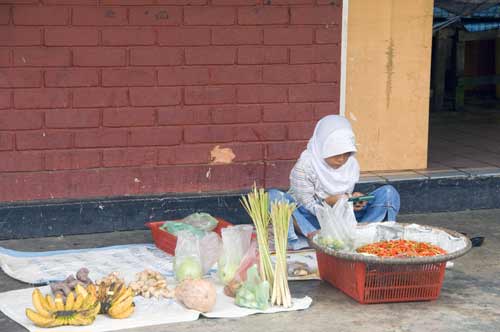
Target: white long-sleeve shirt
305,186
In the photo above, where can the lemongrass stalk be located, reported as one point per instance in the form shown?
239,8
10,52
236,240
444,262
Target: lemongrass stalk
281,213
256,204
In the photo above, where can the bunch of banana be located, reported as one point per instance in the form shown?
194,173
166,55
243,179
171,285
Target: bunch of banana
52,312
116,299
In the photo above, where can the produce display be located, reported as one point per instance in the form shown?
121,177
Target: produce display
253,293
401,248
150,283
197,294
116,299
52,312
68,285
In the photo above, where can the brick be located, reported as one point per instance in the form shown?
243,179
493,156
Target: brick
324,109
182,2
71,77
4,15
5,98
287,74
327,72
99,57
184,154
6,141
101,138
42,57
184,115
236,114
71,2
27,15
184,36
288,36
236,2
129,157
236,74
20,78
92,16
236,36
183,76
209,95
292,2
128,2
129,77
285,150
128,36
43,140
41,98
14,36
128,117
156,16
72,118
261,132
77,159
4,57
15,120
156,56
155,96
277,174
262,15
315,54
288,112
262,55
69,36
209,15
316,15
209,134
99,97
330,35
314,93
262,94
20,161
155,136
215,55
300,130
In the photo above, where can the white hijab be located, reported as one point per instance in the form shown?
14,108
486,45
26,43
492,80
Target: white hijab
332,136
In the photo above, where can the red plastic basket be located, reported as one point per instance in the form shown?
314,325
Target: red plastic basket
379,283
167,242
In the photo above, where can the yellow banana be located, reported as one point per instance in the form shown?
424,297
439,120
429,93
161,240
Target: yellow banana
59,301
50,303
80,290
38,303
117,309
78,302
126,294
92,289
81,320
124,314
88,302
70,301
39,320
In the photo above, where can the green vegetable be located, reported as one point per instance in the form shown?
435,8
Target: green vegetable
330,243
227,272
254,293
188,268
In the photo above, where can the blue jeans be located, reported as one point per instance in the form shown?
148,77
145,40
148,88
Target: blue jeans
384,207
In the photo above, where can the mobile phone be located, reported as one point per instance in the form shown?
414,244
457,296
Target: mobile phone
361,198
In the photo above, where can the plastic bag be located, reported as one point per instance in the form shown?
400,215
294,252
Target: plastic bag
338,225
187,262
174,228
210,250
249,259
235,244
203,221
254,293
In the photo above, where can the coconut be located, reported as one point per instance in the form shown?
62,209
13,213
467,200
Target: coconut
197,294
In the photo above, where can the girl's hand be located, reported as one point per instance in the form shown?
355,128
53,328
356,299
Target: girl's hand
331,200
359,205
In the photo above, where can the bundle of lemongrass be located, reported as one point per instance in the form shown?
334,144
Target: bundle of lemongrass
281,213
256,203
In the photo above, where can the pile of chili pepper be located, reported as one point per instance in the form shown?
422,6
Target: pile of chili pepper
401,248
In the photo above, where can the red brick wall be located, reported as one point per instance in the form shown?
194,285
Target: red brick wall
127,97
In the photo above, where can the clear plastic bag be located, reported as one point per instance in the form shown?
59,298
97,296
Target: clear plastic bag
235,244
210,250
203,221
187,262
338,225
254,293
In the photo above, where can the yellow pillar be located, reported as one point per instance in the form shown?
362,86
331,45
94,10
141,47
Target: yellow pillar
388,81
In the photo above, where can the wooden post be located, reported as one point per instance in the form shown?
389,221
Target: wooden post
460,65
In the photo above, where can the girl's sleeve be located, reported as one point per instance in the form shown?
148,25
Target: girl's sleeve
302,187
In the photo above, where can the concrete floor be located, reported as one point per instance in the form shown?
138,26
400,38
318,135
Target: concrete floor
469,301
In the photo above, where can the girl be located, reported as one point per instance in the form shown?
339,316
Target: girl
326,171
